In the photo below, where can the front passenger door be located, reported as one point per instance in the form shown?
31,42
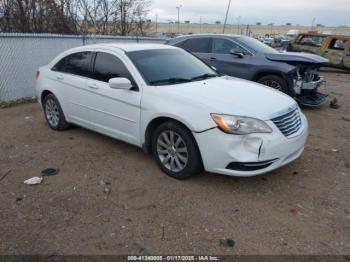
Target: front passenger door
114,112
229,64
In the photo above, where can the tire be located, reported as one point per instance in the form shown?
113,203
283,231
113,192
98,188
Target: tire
275,82
170,140
54,114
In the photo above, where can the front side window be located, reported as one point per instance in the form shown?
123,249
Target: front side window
108,66
224,46
256,45
197,45
76,64
170,66
311,40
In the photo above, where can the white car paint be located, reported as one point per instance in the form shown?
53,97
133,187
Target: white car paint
126,114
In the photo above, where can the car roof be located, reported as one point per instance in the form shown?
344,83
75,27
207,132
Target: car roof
126,47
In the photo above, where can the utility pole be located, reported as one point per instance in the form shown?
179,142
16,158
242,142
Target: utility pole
313,23
271,28
156,23
239,25
200,24
228,9
178,18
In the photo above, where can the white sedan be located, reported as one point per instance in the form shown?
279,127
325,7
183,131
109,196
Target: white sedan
174,106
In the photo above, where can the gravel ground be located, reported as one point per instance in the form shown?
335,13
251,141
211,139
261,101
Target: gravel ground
110,197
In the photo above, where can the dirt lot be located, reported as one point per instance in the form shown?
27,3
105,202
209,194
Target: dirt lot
303,208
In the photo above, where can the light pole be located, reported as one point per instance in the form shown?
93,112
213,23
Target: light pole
200,24
228,9
271,28
239,24
178,18
313,23
157,24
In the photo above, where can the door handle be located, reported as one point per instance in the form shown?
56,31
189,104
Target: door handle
213,58
60,78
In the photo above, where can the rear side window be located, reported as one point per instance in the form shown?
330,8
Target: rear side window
76,64
197,45
224,46
338,44
108,66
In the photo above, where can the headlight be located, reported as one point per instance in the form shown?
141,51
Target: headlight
239,125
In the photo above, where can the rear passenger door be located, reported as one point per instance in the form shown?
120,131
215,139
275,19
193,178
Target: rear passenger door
70,74
114,112
200,47
229,64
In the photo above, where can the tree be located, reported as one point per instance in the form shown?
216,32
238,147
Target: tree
74,16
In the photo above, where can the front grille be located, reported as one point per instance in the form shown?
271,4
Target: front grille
289,123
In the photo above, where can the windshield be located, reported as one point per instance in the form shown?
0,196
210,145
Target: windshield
256,45
170,66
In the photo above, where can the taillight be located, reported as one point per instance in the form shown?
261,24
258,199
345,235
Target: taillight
37,74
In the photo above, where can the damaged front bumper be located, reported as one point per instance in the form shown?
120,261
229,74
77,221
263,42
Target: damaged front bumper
249,155
307,93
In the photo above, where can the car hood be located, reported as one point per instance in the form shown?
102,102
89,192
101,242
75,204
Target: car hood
293,57
233,96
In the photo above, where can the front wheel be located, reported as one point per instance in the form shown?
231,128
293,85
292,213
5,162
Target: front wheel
275,82
175,150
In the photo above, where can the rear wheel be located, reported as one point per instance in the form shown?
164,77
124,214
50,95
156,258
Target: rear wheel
54,114
275,82
175,150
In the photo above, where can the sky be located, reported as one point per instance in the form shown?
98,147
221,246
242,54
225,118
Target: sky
326,12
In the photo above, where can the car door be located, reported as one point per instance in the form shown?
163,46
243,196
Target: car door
335,51
114,112
200,47
227,63
70,75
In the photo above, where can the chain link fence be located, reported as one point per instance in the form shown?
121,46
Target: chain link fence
22,54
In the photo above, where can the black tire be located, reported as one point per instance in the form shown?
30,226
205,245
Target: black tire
60,123
272,80
193,164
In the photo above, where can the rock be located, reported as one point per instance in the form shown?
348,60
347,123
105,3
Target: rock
107,190
50,171
334,104
227,242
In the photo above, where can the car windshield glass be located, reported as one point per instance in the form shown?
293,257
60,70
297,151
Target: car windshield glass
256,45
170,66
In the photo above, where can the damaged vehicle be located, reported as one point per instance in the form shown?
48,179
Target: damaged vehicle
336,48
295,74
171,104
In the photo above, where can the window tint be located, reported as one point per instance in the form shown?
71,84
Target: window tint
108,66
76,64
197,45
224,46
337,44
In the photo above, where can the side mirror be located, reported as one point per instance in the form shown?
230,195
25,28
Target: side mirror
237,53
119,83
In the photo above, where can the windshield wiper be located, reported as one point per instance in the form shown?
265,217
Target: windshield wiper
170,81
204,76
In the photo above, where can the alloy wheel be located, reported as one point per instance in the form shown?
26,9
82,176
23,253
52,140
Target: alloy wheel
52,112
172,151
273,84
